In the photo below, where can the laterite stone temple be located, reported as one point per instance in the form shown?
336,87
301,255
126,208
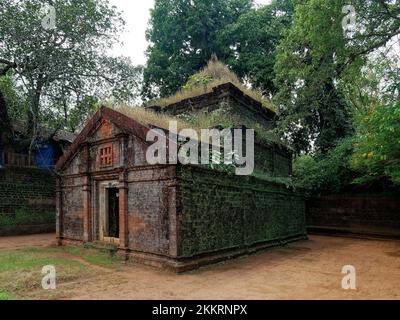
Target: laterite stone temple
175,216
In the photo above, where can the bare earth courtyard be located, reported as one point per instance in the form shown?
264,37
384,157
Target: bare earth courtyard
304,270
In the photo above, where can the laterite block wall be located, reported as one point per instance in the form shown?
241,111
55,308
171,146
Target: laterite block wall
221,211
375,215
27,201
272,159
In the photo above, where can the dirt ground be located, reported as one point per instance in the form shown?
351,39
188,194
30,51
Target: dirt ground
304,270
20,242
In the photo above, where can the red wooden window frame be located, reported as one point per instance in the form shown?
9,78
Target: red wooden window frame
106,156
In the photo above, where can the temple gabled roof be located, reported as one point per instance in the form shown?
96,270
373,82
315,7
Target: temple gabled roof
126,124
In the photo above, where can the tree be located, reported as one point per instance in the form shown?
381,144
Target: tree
377,84
377,24
4,118
330,172
183,34
312,106
377,144
250,43
315,60
60,66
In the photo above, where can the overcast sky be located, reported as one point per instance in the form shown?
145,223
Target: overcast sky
136,14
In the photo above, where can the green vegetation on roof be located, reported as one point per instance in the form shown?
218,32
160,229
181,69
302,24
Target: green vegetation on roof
196,121
214,74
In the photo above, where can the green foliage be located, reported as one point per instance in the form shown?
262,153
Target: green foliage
81,113
197,80
4,296
59,68
377,145
16,105
306,172
251,42
222,118
183,35
23,217
217,117
370,158
311,104
318,58
377,84
331,172
214,74
11,106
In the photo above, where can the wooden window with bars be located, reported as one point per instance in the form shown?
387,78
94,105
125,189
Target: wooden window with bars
106,156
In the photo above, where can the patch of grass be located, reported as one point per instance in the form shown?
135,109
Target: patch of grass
6,296
101,258
21,270
28,259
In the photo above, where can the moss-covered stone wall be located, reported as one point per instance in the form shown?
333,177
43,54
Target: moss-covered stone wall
27,201
272,159
227,98
221,211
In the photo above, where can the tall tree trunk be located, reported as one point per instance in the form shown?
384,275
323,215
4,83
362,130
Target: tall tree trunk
5,124
33,116
32,125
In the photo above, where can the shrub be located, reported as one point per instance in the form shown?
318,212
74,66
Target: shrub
23,217
377,144
326,173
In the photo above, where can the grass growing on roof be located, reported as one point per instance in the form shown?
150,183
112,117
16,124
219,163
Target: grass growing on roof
153,119
221,118
150,118
214,74
196,121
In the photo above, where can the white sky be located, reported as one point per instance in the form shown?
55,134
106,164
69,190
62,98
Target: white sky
136,13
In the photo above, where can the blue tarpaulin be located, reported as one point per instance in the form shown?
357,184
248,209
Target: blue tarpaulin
45,156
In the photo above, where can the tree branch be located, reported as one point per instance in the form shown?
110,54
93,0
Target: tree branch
9,65
388,9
